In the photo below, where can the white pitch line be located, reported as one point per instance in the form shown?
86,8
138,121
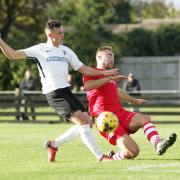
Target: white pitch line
152,166
159,171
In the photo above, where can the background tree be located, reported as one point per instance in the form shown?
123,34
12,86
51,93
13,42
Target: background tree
86,27
152,9
121,11
141,42
20,25
168,39
85,23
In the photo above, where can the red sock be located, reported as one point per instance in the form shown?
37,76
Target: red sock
151,133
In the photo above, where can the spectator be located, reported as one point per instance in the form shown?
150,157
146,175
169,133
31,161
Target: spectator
132,86
27,84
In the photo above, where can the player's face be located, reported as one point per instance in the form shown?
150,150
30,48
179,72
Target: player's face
57,35
107,57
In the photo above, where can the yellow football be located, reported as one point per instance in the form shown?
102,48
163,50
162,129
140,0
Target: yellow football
107,122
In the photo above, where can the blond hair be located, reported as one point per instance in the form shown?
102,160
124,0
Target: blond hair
103,48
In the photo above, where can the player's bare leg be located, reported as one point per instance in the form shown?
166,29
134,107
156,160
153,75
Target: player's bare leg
129,148
142,121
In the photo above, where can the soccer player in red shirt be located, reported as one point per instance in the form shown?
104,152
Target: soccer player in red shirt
104,95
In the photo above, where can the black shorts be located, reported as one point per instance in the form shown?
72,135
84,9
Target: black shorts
64,102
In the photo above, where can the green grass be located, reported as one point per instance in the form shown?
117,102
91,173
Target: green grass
38,109
22,156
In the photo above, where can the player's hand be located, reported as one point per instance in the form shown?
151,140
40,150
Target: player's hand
90,123
140,101
88,119
111,72
117,77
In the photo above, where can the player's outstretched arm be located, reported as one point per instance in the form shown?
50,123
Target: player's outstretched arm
93,84
130,99
88,71
10,52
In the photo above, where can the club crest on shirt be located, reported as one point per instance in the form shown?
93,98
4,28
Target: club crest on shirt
57,58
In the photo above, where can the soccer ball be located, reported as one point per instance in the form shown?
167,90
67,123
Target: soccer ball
107,122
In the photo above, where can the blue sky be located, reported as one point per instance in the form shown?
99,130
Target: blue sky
176,3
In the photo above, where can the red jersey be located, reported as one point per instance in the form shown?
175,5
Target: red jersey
104,98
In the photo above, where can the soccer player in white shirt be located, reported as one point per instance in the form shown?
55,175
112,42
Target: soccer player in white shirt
53,59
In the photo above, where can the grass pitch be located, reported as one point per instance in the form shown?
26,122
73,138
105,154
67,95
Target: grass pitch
22,156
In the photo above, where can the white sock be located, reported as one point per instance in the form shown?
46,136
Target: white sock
89,140
119,155
69,135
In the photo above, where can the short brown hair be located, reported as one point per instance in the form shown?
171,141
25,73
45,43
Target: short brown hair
51,24
104,48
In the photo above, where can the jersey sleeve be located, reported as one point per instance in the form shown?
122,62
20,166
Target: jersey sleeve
31,52
75,63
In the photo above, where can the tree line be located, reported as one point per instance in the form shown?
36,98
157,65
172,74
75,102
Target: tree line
85,21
